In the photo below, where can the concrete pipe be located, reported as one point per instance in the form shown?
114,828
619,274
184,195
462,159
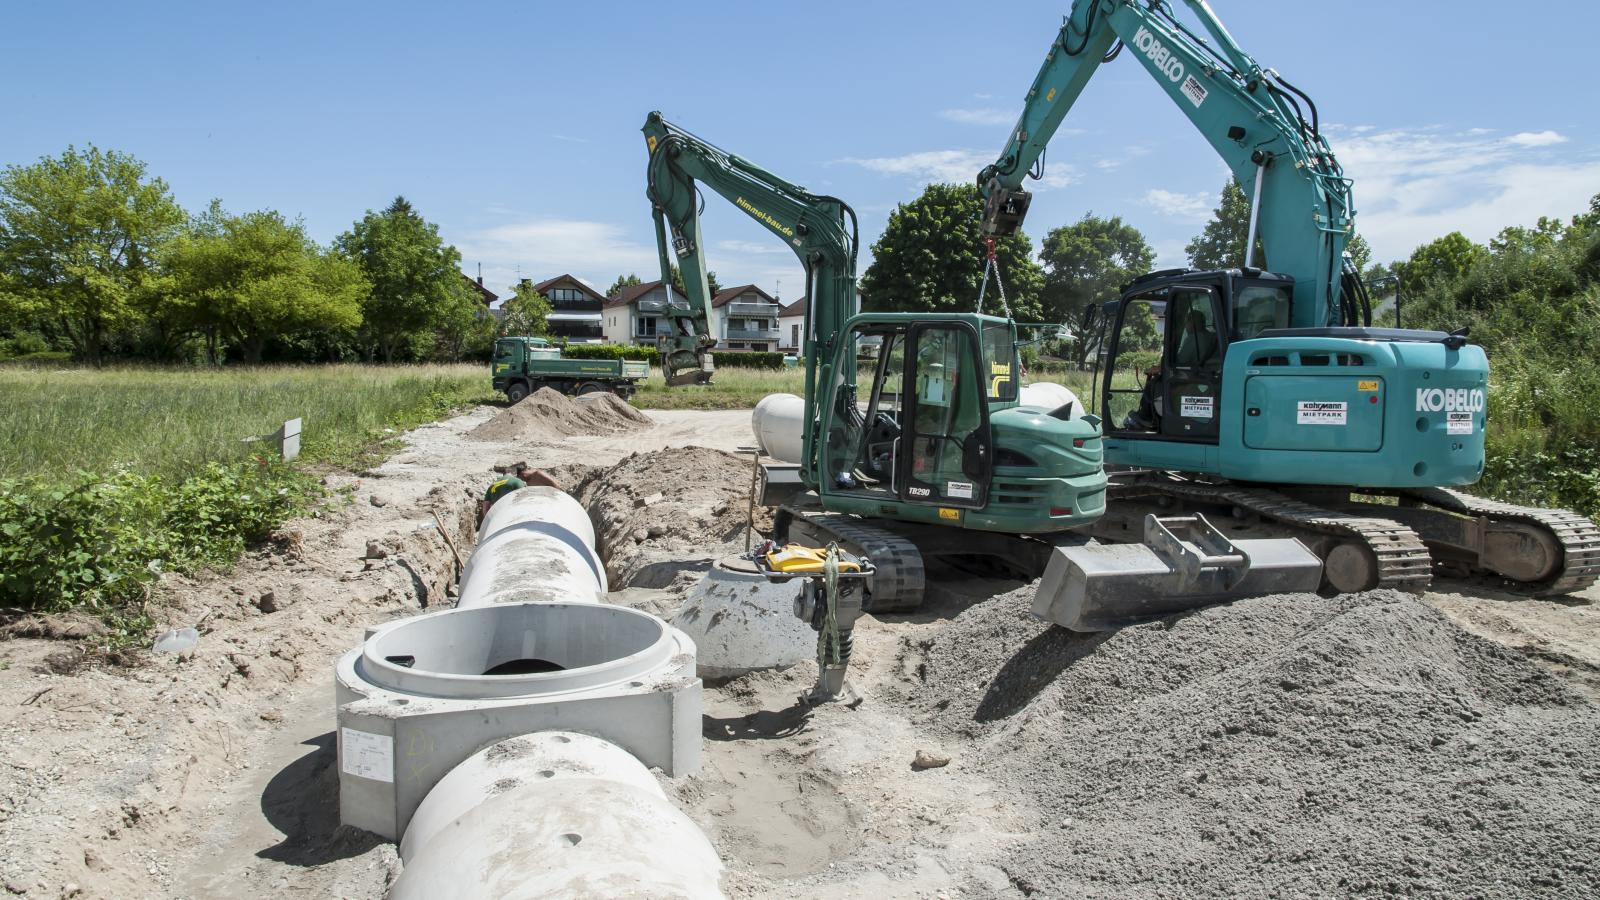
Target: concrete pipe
778,423
535,544
1049,396
577,838
530,759
741,622
421,695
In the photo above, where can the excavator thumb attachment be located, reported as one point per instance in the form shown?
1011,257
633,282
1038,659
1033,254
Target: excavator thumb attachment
1184,563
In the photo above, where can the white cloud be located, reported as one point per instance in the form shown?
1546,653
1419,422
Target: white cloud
957,167
1108,165
750,247
1536,138
982,96
987,116
570,139
1412,186
1190,207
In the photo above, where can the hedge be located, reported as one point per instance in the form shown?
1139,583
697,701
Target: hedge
731,359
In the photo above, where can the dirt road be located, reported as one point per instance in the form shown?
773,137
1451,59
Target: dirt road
211,775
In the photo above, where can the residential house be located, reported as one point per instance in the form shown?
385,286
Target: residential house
622,322
745,318
485,296
576,310
791,322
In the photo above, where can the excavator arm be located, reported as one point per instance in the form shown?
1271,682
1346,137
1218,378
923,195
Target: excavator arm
820,230
1255,120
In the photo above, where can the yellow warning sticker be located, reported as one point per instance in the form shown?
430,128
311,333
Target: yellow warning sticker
946,513
1366,385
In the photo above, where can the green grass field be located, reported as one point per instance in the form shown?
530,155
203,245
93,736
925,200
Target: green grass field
168,421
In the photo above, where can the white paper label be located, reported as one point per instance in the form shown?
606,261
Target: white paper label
1196,407
961,490
1322,412
1194,90
367,755
1458,423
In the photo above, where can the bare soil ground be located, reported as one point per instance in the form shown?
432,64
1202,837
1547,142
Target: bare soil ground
1283,746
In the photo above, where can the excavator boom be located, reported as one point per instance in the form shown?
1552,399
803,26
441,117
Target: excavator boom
1254,119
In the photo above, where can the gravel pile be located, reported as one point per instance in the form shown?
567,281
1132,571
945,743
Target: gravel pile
1281,746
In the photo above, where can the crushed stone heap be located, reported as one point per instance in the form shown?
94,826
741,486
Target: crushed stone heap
1291,745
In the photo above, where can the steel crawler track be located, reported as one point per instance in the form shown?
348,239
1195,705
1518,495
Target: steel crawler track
1403,561
1578,537
897,585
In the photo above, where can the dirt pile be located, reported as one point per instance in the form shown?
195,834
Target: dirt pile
550,413
665,512
1285,746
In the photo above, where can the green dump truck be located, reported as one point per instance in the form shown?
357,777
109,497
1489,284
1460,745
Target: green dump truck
523,365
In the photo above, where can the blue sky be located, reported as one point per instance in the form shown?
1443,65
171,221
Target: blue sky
514,126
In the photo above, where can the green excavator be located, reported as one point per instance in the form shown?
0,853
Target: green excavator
1275,405
915,440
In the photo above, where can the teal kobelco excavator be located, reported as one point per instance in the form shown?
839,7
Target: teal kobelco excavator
915,440
1263,397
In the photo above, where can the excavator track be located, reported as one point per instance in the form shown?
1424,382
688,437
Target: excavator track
1577,536
1400,557
898,583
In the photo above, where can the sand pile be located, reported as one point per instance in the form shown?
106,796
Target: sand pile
550,413
1283,746
659,509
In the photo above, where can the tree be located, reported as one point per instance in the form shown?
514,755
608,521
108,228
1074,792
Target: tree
467,327
1444,259
77,235
1088,262
256,277
1220,245
526,312
930,257
623,281
414,275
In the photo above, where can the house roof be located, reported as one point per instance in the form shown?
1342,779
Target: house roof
631,293
487,296
727,295
542,286
797,308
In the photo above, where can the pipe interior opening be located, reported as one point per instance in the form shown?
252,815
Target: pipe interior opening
520,639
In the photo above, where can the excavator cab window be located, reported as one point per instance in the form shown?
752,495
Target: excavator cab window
1191,376
1133,400
1257,307
864,436
948,449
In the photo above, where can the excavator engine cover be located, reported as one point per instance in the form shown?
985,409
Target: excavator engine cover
1184,563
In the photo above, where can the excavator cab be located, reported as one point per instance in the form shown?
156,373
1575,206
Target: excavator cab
1170,334
921,420
908,419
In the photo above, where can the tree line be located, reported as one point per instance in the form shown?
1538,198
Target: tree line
930,257
99,259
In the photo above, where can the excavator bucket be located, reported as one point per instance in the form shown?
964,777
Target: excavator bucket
1184,563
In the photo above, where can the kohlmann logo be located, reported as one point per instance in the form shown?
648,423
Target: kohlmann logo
1449,400
1165,61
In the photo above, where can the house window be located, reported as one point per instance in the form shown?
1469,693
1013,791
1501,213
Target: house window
736,346
646,326
794,335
